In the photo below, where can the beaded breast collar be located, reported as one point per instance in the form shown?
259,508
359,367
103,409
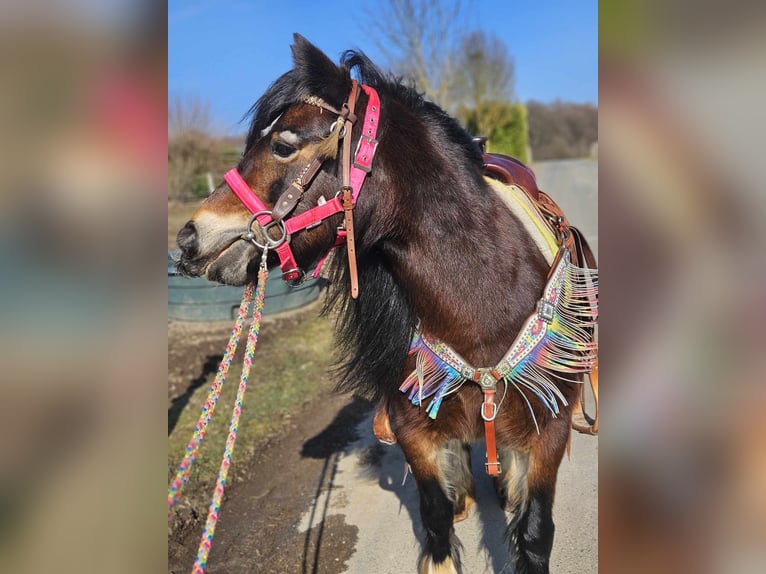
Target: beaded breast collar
557,338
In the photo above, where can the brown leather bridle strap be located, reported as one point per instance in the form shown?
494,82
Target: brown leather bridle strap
348,114
290,198
347,191
353,177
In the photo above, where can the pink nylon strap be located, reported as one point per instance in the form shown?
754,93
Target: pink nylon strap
365,150
314,215
246,195
287,262
340,239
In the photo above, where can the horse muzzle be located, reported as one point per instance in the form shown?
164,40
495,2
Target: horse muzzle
222,257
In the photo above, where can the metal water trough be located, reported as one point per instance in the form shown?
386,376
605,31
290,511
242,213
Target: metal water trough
197,299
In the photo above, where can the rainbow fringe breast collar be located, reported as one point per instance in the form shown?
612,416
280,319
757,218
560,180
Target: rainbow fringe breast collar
557,338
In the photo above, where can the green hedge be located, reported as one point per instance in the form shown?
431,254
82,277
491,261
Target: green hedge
504,123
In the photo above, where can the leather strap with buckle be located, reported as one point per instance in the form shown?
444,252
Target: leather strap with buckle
348,211
290,198
489,413
347,194
488,383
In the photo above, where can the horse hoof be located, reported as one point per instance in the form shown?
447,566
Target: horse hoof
463,514
428,566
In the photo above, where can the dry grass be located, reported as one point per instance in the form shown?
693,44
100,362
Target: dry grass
291,367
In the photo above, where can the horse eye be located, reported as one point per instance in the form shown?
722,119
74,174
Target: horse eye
282,150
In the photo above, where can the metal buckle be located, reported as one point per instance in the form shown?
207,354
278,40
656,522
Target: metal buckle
489,418
320,201
269,243
497,464
374,143
298,281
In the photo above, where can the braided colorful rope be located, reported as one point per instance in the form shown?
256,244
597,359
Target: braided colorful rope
192,448
220,484
182,476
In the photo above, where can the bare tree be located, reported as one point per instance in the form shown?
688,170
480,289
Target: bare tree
187,116
190,146
486,77
487,70
469,73
421,40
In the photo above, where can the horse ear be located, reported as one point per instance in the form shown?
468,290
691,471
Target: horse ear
317,74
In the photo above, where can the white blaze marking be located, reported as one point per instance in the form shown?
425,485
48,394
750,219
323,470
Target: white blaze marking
267,131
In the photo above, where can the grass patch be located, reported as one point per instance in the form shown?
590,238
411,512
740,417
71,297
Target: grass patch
291,367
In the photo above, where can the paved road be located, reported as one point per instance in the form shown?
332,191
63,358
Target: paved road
573,184
366,485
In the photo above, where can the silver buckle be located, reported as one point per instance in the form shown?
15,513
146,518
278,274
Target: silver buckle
374,143
269,243
320,201
491,417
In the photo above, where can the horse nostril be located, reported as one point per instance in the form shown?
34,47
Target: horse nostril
187,239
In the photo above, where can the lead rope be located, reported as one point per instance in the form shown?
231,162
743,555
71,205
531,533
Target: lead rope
192,448
182,476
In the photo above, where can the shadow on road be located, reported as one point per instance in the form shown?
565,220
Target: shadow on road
328,445
487,511
179,403
483,533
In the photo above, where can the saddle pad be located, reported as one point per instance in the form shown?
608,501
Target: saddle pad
521,206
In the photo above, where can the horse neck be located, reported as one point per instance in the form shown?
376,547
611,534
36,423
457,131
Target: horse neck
470,270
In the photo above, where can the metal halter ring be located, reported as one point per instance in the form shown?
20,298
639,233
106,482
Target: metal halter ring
269,242
298,281
342,131
489,418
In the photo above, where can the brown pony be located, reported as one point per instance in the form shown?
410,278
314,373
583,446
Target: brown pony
437,252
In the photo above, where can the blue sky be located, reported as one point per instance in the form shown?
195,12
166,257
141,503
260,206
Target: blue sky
228,52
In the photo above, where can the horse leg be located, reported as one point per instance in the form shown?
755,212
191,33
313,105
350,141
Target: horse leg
455,465
428,461
530,499
511,485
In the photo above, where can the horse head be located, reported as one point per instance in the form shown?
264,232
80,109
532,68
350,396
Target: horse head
293,126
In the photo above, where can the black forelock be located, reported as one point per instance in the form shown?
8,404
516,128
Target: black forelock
283,92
